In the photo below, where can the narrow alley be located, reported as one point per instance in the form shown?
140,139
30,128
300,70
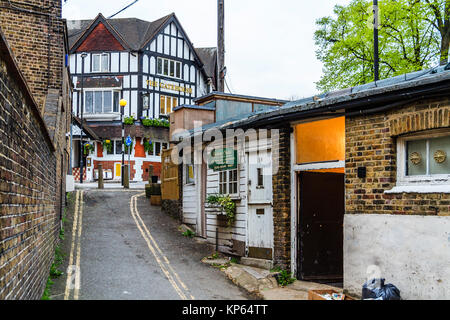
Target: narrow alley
120,247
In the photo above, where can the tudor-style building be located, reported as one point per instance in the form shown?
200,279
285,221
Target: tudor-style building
153,66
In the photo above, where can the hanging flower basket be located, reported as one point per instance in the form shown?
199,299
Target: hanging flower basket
107,145
88,149
226,205
148,145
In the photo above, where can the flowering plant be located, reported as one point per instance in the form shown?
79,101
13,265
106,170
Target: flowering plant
107,145
88,148
150,122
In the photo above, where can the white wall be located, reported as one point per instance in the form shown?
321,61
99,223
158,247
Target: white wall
239,229
412,252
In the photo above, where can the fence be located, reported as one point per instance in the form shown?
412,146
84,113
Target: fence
169,177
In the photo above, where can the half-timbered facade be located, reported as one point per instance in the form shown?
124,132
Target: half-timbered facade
153,66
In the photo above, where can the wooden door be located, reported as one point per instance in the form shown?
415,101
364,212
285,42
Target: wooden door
260,213
118,168
321,226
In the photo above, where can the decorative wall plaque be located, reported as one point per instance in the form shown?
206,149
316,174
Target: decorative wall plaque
440,156
415,158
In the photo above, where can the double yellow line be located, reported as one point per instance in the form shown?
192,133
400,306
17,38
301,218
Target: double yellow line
74,271
161,259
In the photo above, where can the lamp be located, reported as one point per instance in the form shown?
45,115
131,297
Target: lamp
83,56
123,104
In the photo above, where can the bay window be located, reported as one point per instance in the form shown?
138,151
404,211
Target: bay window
101,101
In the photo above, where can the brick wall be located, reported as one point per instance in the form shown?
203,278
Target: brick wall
371,142
281,181
29,223
39,55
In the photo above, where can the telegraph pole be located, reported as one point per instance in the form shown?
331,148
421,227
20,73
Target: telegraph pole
221,45
375,40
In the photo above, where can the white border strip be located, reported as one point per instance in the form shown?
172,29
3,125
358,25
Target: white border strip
319,166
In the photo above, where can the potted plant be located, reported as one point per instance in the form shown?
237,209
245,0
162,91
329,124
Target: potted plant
226,205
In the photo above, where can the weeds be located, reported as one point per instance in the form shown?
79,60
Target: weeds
283,277
54,273
188,233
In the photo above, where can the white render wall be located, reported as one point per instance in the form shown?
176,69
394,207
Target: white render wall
412,252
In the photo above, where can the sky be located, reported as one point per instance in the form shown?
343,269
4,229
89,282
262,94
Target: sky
270,50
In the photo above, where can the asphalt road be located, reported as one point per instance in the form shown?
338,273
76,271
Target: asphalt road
119,247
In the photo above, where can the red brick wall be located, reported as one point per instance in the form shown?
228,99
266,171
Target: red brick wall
156,169
109,165
371,142
100,39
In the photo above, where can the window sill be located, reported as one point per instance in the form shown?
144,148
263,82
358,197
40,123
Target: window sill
438,188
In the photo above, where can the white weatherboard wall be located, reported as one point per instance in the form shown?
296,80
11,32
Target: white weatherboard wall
412,252
239,229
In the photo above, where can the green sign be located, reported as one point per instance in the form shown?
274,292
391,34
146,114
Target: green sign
223,159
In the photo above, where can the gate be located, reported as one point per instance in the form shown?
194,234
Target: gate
170,189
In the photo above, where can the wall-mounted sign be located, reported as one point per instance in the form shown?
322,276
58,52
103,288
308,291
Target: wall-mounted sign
169,86
223,159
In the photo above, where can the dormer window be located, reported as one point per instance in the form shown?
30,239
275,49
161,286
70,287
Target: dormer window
100,62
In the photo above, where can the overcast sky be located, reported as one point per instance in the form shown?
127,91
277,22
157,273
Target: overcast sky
269,44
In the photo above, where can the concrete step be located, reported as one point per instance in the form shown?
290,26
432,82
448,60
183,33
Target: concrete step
258,263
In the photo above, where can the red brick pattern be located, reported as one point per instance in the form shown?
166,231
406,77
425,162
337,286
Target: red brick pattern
100,39
156,169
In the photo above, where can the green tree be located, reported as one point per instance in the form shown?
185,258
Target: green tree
413,35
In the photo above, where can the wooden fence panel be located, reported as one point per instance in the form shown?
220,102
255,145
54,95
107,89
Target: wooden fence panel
170,189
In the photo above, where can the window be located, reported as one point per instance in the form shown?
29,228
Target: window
228,182
116,147
424,158
167,104
101,101
145,101
169,68
158,146
189,174
100,62
260,175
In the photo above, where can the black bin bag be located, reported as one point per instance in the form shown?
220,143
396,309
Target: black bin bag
375,289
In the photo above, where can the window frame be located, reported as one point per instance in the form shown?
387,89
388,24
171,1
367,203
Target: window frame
228,182
166,99
418,180
162,143
102,90
177,66
101,55
188,180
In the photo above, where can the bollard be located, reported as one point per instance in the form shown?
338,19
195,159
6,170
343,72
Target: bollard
126,177
150,174
100,176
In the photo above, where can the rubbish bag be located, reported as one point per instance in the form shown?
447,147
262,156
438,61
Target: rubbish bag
375,289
